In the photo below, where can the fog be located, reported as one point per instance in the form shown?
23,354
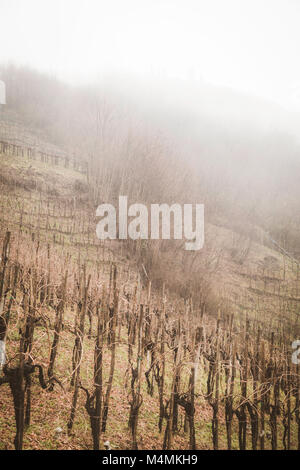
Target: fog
201,98
251,46
241,57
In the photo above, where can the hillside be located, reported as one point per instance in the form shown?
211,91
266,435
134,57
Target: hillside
46,207
250,272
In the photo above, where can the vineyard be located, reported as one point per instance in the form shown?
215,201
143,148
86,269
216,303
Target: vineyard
99,356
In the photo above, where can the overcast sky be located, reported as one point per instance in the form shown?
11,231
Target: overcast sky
248,45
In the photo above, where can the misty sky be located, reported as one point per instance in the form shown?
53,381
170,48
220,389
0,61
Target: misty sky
247,45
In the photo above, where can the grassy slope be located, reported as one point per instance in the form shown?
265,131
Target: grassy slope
52,410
